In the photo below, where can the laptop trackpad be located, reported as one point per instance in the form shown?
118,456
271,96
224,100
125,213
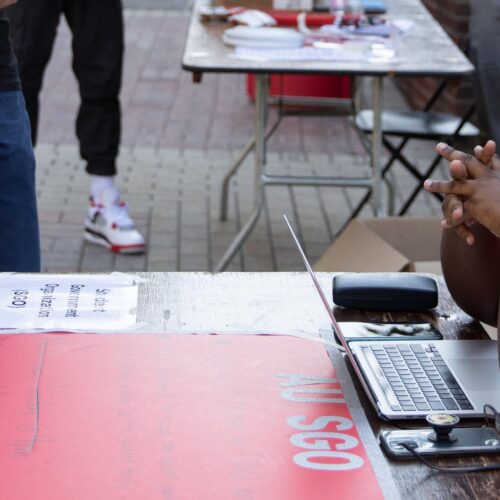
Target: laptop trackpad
477,374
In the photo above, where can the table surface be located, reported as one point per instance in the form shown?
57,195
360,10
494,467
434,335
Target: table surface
425,50
287,303
266,303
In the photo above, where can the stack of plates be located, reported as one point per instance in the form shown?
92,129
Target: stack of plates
263,37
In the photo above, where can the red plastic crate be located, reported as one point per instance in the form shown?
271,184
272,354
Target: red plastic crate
314,86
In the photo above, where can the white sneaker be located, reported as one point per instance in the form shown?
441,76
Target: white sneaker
109,224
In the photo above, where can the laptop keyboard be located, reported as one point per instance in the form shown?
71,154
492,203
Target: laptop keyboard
418,378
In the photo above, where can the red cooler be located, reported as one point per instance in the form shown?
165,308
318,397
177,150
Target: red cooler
312,86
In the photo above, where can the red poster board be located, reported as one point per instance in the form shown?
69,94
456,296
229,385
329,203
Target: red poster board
182,417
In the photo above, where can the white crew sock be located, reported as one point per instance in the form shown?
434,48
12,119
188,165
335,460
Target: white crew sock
106,194
100,183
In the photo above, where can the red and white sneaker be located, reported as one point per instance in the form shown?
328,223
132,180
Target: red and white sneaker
109,224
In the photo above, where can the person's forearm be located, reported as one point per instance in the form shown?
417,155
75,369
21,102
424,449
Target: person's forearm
472,272
6,3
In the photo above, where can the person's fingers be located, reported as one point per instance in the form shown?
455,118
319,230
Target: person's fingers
470,221
458,171
453,211
487,154
491,149
460,188
464,234
483,157
479,154
474,167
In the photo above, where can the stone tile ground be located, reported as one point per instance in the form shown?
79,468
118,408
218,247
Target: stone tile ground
178,140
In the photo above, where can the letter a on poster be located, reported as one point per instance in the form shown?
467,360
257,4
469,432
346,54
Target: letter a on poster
68,302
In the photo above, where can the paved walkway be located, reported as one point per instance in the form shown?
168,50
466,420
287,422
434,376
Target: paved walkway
178,140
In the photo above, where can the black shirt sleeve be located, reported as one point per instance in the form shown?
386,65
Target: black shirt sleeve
9,76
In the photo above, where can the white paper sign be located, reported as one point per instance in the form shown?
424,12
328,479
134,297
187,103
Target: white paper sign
68,302
293,4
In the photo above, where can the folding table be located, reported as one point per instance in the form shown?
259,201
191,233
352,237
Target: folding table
425,50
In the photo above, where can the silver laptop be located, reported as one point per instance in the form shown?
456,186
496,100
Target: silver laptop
412,379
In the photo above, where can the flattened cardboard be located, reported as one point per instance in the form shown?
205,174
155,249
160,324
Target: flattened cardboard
418,239
360,249
491,331
429,267
383,245
178,416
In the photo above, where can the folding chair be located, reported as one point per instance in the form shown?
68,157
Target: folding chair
425,124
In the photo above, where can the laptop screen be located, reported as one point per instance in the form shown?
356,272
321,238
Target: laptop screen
335,324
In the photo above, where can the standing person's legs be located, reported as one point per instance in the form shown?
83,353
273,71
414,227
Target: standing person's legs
484,32
33,30
97,28
19,244
98,46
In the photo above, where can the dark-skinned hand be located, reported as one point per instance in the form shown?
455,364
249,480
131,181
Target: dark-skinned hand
474,193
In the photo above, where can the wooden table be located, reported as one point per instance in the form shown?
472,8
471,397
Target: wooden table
425,50
287,303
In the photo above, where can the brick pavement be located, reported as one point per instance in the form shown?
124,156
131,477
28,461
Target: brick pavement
178,140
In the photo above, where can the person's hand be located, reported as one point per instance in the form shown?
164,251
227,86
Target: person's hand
454,217
6,3
474,191
453,210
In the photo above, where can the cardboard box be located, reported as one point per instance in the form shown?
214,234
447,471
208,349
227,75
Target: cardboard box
385,245
430,267
491,331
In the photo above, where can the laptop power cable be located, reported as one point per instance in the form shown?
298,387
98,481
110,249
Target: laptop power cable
472,468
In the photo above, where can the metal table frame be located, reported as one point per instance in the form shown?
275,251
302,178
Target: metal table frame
205,52
262,179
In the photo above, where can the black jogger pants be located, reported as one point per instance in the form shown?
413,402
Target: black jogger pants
97,28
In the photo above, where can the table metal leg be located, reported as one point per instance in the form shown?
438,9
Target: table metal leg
261,90
234,167
376,149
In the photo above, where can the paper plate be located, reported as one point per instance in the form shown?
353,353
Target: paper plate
245,36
